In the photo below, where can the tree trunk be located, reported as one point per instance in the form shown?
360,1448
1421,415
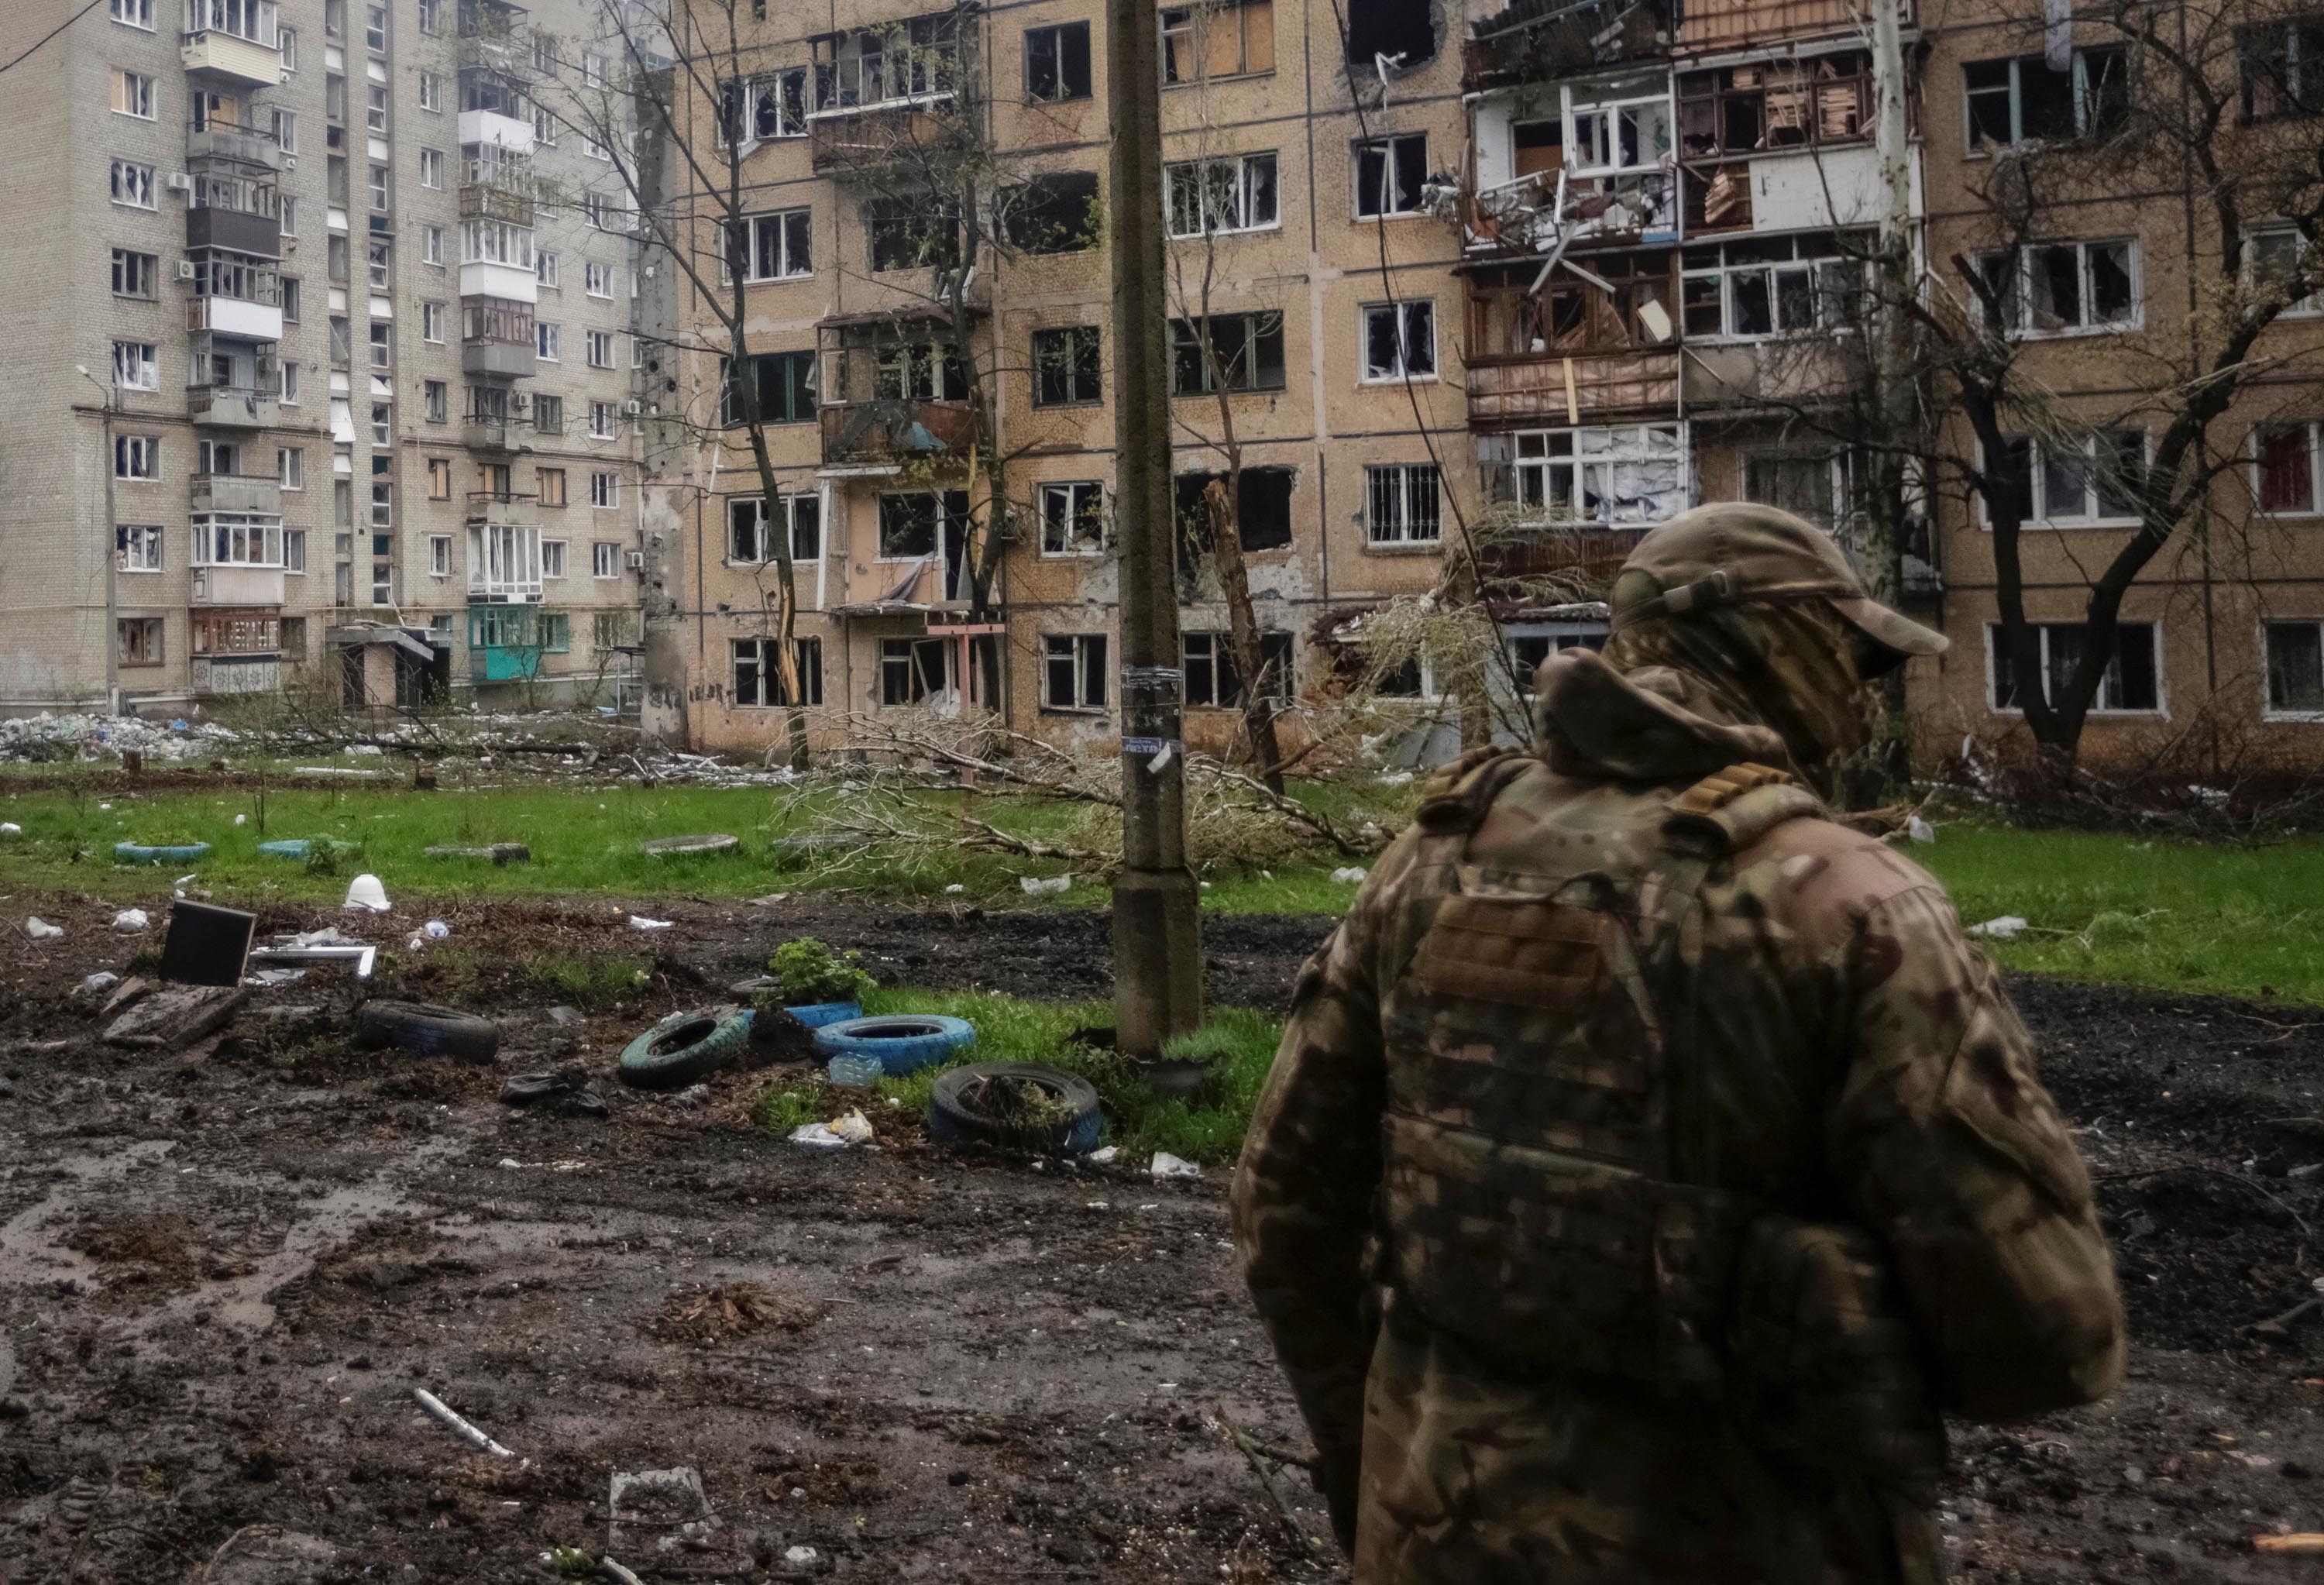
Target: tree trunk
1243,630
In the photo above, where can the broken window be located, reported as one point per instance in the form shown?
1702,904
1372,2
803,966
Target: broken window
1073,671
2058,288
917,59
1262,514
1234,192
1626,474
2132,680
911,670
1208,662
1400,340
1065,366
1774,286
2275,255
1528,650
1812,484
918,370
1227,352
1386,35
759,678
1616,127
1221,38
1057,62
1072,519
914,523
140,641
912,233
2280,68
786,388
1404,504
1775,104
2295,669
774,247
762,107
2021,100
1389,173
748,541
1053,214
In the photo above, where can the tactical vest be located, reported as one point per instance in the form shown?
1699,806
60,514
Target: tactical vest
1542,1196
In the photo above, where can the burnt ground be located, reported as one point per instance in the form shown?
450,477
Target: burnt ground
222,1269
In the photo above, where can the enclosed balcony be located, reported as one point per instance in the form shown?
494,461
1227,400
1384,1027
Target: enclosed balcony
496,199
233,207
511,644
492,432
497,339
212,142
492,109
503,556
891,397
881,92
232,45
505,509
256,494
1515,392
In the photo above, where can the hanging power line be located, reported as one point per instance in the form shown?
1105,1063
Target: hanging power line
51,33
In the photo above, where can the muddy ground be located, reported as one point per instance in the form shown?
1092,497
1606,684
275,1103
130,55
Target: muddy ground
223,1270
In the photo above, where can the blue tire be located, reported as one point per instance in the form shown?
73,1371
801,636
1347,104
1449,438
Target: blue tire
814,1014
134,853
902,1042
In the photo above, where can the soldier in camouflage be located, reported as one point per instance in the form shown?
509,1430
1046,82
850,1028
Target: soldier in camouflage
1649,1160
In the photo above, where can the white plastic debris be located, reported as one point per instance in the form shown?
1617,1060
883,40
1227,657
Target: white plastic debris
1394,778
184,880
102,980
275,977
238,819
329,936
438,929
40,930
9,828
1105,1157
956,888
1350,875
849,1127
104,805
365,892
639,922
801,1557
1919,830
1033,885
2007,927
131,920
1166,1165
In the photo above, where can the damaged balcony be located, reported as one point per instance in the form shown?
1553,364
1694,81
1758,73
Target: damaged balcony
1571,344
892,399
1540,41
237,650
879,93
1575,555
498,338
1744,24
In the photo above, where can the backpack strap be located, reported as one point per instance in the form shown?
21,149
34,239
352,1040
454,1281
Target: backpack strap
1729,810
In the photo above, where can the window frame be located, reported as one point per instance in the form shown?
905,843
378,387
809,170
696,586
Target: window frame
2159,710
1176,173
1278,656
130,90
1403,310
766,674
1069,339
140,548
1409,476
607,486
1579,464
136,263
1197,333
140,13
1076,496
1086,656
1385,147
2037,485
2017,292
132,358
773,226
2079,89
2314,431
2269,709
1819,269
139,183
1058,57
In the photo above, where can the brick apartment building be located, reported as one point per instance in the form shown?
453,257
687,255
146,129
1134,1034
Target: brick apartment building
1570,258
366,400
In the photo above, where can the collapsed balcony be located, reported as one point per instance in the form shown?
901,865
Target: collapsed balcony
1572,344
894,393
1538,41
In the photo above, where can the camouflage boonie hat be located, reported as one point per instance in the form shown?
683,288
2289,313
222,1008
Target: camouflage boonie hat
1740,553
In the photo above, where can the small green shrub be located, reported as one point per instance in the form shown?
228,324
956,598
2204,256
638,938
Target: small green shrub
807,971
588,982
779,1109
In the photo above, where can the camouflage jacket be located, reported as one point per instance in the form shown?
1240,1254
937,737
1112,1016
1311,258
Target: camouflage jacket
1648,1249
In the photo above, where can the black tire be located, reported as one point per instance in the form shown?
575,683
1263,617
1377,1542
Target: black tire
686,1048
427,1028
949,1122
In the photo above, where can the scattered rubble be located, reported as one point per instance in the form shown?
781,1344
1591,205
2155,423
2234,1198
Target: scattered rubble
849,1128
176,1017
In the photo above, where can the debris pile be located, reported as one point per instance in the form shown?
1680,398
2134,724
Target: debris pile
47,738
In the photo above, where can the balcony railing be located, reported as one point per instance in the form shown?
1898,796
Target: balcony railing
254,493
1552,389
246,407
868,139
249,146
1590,554
213,54
493,201
896,431
491,433
1542,40
502,507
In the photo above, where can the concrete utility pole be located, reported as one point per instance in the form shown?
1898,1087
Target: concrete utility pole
1897,398
112,636
1158,955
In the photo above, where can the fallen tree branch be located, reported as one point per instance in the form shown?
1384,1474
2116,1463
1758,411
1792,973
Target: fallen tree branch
437,1407
1259,1458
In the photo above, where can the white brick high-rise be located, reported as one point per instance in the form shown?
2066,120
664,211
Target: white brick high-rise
357,325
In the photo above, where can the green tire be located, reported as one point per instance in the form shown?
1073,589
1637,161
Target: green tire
686,1048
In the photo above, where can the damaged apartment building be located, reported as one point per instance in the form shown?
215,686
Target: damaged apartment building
1560,268
328,369
1315,310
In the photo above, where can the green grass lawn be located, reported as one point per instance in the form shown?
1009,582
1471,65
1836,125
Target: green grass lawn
2241,922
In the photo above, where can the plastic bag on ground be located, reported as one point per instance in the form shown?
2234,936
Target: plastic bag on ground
365,892
40,930
130,919
2008,928
639,922
849,1127
1919,830
1350,875
1033,885
437,930
1166,1165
